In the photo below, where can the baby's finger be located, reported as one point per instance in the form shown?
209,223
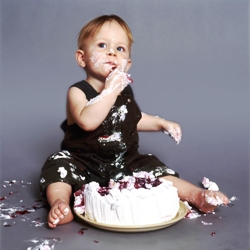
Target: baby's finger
175,136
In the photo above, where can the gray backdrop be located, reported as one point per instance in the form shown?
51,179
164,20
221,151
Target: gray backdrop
190,65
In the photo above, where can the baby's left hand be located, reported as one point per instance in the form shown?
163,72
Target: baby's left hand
173,130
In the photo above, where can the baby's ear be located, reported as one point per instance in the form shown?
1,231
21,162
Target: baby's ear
80,58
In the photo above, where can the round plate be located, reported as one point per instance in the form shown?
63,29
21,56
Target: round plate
142,228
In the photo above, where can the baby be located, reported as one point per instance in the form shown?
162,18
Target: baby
103,120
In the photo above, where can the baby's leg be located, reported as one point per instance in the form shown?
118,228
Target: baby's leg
206,201
58,196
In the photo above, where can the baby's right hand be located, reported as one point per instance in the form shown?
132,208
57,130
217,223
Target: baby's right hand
117,81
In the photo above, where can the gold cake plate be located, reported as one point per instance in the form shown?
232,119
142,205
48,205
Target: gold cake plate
142,228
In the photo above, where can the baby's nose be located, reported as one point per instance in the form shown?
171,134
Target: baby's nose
110,52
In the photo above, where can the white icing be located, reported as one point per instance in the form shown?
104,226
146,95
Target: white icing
124,63
213,200
62,154
102,59
44,243
63,172
6,213
110,51
170,171
82,177
206,223
233,198
42,180
75,176
38,223
175,134
122,111
13,181
130,206
210,185
187,205
97,59
192,214
116,136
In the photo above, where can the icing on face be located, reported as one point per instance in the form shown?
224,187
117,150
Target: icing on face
101,59
95,59
123,64
111,50
117,78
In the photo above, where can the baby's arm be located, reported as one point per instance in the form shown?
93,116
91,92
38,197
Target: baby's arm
155,123
87,117
90,114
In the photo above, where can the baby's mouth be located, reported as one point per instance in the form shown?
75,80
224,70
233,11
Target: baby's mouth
112,65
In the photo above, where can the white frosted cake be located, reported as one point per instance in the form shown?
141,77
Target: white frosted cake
140,199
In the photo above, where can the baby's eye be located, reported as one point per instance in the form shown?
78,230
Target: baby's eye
102,45
121,49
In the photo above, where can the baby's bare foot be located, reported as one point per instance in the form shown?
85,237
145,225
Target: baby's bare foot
207,201
59,214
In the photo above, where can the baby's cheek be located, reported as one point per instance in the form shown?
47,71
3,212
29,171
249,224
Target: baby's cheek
97,58
124,63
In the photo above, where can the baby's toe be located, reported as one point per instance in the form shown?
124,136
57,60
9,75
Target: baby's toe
224,199
53,219
64,209
58,213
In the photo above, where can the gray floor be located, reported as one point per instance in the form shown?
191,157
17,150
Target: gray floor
190,65
228,227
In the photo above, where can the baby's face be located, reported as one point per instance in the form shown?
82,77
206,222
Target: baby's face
106,50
